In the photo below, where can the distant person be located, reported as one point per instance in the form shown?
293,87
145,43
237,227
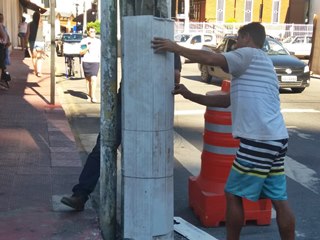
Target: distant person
90,50
36,43
258,168
23,28
4,51
4,43
91,171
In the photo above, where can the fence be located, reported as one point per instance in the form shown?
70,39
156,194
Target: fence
279,31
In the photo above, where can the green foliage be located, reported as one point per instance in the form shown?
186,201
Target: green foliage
231,20
95,25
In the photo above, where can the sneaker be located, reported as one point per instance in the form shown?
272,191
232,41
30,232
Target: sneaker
4,85
76,202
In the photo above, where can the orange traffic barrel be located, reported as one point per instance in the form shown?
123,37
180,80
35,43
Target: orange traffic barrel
206,191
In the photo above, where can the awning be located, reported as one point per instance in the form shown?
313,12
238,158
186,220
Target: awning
32,6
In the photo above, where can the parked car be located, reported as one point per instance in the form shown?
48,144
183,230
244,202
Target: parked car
195,41
300,46
291,71
71,40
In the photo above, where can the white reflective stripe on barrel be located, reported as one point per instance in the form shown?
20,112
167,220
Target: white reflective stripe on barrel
218,127
219,149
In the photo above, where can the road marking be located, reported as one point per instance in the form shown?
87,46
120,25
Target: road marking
302,174
190,157
202,111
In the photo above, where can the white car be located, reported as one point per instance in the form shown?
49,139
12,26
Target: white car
195,41
300,46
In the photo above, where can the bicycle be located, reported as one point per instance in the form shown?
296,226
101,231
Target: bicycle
69,64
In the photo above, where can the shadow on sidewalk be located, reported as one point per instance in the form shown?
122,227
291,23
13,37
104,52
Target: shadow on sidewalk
39,160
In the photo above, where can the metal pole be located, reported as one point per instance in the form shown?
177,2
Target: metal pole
84,24
52,52
186,15
108,121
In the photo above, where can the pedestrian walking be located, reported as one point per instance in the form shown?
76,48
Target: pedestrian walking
23,28
36,43
4,54
258,168
91,171
90,50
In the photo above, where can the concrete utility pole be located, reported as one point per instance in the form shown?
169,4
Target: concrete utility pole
147,123
52,52
108,120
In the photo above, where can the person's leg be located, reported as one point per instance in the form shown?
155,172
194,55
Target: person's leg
234,216
91,171
87,181
93,83
285,219
34,61
39,65
89,89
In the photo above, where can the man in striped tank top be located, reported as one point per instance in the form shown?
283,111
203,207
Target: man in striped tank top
258,169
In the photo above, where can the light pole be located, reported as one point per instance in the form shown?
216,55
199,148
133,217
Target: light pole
77,6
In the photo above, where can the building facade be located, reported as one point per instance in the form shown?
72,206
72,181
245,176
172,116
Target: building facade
266,11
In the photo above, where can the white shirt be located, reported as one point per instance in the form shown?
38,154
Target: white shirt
94,49
254,95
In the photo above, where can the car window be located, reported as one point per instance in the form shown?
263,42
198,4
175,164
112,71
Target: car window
196,39
208,38
309,39
231,45
272,47
72,37
299,40
221,46
181,37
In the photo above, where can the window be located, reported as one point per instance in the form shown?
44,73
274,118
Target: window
275,11
248,11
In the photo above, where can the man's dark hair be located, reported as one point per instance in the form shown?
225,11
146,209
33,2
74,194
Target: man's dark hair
256,31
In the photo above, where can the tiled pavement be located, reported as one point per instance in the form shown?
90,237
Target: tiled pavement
39,162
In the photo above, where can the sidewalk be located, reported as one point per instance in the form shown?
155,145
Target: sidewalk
39,162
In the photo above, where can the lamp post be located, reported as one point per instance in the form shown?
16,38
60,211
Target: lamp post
261,11
77,6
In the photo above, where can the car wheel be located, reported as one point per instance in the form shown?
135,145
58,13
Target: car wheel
205,77
298,90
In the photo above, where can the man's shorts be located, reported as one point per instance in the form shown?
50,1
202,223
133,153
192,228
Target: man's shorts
258,170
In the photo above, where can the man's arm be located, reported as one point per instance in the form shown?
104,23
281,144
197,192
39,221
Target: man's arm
216,100
199,56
